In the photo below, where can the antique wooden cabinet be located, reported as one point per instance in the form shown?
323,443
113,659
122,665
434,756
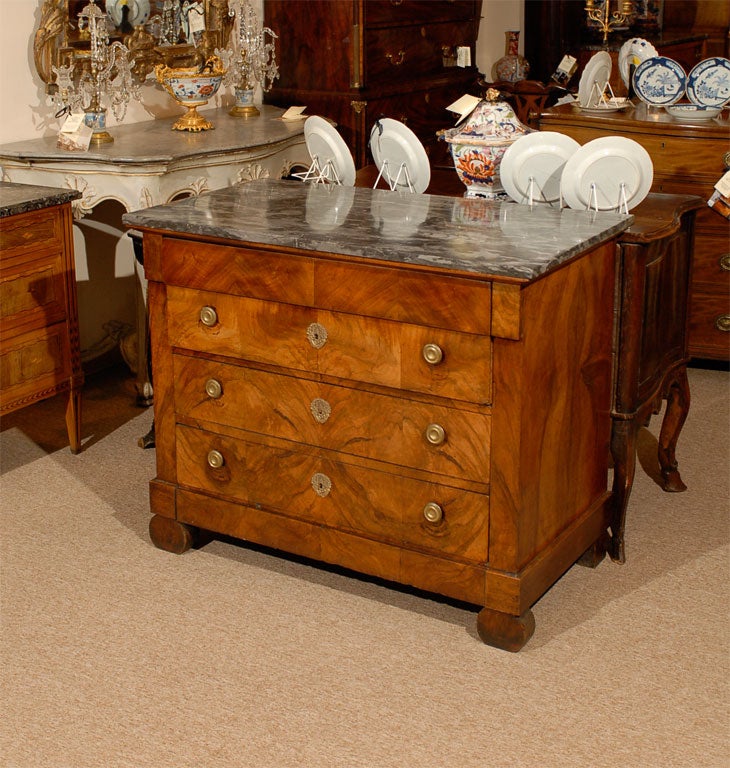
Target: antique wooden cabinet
688,159
355,61
39,335
415,387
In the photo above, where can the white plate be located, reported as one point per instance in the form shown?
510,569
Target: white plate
693,113
632,53
708,84
139,11
539,156
394,144
324,143
597,72
608,163
660,81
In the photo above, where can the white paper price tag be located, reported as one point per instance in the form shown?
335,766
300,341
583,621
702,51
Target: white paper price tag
723,186
72,123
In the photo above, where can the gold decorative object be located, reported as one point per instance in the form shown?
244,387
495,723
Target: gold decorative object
600,13
192,87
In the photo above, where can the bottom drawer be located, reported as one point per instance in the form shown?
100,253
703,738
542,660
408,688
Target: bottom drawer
34,362
709,326
305,484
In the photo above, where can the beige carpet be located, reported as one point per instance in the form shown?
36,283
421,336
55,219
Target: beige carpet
115,654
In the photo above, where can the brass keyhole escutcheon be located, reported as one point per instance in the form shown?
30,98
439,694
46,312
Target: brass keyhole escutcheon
722,323
435,434
215,459
317,335
321,410
432,512
321,483
208,316
432,354
213,388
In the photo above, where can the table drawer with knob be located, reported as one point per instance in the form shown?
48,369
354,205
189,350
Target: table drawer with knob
425,436
307,484
370,350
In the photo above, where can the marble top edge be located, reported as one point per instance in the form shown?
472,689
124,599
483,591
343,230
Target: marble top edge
22,198
471,235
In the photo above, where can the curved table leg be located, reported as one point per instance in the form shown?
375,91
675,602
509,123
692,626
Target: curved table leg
73,419
170,535
504,631
675,415
623,450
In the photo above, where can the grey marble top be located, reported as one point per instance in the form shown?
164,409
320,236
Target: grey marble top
471,235
21,198
154,141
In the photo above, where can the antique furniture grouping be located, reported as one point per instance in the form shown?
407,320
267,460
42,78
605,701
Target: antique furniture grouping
418,389
687,159
149,164
39,332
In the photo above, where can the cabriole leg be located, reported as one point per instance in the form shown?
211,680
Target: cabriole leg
674,418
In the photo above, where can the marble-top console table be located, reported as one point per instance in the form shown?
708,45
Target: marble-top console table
149,164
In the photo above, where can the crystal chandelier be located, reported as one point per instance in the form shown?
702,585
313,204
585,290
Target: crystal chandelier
251,59
104,75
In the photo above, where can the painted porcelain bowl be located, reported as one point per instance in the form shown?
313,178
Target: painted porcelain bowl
478,145
192,87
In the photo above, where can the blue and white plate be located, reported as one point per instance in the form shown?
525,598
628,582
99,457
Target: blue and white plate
660,81
708,84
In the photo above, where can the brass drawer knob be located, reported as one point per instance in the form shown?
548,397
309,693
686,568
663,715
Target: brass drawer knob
435,434
432,354
433,512
722,323
215,459
208,316
725,262
213,388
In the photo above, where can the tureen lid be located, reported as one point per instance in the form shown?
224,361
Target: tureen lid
492,122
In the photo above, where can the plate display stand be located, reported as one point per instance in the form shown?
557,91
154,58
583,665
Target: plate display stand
623,203
318,173
402,177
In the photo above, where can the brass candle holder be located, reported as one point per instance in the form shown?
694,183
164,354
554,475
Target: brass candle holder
606,19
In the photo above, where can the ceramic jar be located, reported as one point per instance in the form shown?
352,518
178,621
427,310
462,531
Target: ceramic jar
478,145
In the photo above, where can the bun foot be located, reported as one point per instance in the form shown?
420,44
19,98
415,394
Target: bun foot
504,631
170,535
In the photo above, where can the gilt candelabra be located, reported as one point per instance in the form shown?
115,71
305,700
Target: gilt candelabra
251,59
608,20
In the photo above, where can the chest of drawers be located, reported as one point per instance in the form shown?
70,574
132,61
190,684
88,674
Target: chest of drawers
39,336
355,61
687,159
391,406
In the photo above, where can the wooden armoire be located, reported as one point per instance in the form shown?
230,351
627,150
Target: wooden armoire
354,61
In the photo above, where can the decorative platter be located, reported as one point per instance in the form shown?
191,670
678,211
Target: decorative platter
396,149
708,84
536,160
631,54
605,172
593,80
659,81
326,145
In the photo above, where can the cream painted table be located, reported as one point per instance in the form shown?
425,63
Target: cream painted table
150,164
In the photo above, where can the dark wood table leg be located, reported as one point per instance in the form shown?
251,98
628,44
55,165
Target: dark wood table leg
623,450
678,399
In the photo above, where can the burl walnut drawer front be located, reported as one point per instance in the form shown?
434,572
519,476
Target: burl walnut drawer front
437,439
303,484
390,354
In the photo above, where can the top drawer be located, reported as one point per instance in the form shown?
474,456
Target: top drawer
408,52
386,13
